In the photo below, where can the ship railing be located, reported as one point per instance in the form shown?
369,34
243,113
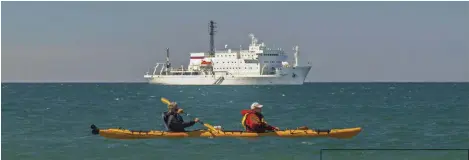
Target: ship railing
163,66
175,71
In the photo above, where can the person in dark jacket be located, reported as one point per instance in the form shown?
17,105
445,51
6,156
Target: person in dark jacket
253,120
173,120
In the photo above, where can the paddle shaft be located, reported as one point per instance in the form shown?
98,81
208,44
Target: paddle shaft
206,125
190,116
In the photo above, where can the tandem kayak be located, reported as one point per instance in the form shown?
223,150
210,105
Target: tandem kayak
119,133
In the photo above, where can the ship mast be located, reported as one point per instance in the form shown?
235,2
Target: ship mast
168,64
296,55
212,38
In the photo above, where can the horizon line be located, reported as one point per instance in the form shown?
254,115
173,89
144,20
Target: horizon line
38,82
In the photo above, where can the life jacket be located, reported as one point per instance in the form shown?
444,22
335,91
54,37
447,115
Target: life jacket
243,120
165,116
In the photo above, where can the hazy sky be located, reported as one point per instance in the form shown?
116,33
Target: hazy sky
345,41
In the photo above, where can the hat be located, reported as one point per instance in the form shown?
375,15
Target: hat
172,105
256,105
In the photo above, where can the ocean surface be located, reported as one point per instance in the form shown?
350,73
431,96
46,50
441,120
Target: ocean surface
52,120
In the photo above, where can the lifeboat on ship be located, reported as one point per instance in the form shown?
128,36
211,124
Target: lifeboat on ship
205,63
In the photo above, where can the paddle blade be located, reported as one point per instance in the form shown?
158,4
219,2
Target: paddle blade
209,127
165,101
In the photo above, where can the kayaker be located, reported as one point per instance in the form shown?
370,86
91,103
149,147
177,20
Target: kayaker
173,120
253,120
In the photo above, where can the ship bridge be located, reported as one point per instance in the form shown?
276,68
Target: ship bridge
257,58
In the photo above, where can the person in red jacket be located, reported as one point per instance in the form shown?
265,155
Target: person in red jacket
253,120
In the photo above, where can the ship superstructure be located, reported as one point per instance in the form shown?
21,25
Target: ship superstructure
256,65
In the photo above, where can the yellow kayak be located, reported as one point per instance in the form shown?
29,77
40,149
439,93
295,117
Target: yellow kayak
118,133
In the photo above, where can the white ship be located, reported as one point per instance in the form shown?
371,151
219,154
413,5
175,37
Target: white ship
258,65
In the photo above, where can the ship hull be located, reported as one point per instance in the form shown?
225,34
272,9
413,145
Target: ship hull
291,76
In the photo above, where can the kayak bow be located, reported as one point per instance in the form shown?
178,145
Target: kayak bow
119,133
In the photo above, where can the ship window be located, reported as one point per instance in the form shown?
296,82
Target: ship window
272,62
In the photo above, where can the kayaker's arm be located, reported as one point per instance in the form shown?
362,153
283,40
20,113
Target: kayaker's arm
261,125
188,124
270,127
173,123
256,124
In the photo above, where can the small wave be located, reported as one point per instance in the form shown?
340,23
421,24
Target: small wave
308,143
116,145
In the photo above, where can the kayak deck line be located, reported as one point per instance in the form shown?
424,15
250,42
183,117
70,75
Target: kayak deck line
120,133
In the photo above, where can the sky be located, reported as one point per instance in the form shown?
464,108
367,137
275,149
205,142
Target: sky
344,41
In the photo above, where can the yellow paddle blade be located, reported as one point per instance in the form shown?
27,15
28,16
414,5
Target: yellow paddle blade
165,101
209,127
